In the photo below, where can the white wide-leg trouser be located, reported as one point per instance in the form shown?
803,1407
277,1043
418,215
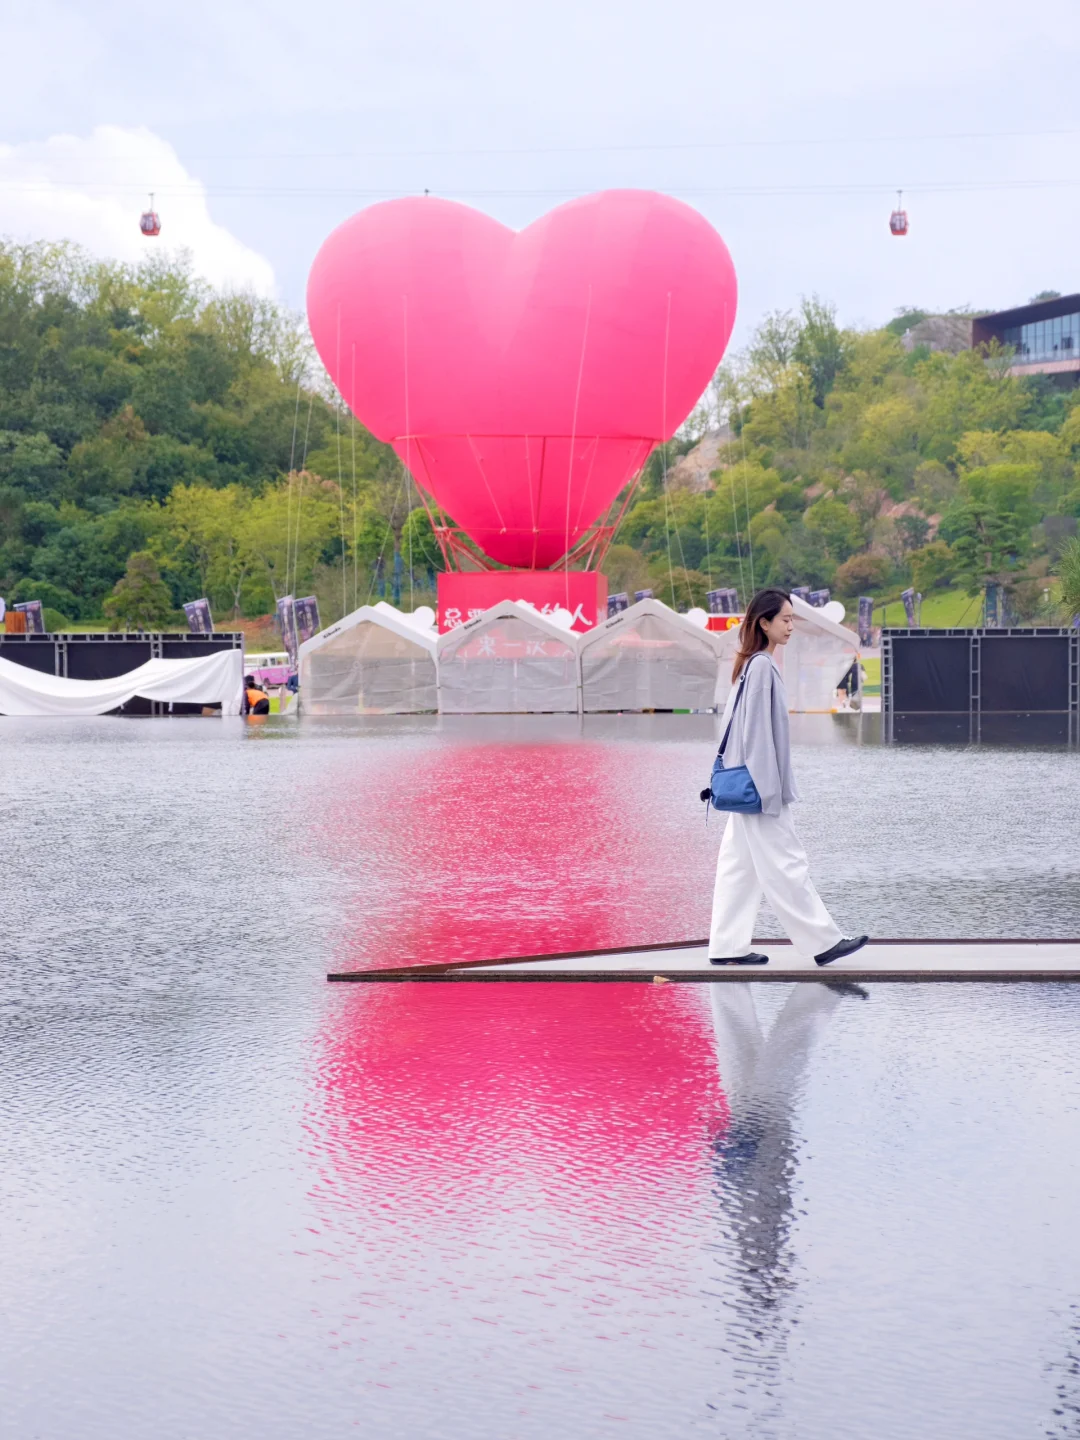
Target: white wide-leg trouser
762,855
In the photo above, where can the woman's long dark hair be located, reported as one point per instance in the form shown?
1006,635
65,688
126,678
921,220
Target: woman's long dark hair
765,605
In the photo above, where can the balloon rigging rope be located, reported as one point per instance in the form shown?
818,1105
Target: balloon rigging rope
341,478
408,438
738,538
480,466
389,533
588,482
533,499
708,552
669,509
355,496
292,483
573,442
746,495
291,589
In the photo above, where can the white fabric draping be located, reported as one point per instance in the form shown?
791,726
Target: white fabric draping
204,680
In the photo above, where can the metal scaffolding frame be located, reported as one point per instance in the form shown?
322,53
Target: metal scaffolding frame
976,665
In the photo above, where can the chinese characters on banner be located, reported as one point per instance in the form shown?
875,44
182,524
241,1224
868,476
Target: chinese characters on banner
463,595
617,603
199,619
908,597
496,644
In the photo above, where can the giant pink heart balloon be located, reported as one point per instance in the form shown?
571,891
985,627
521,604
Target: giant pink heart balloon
523,377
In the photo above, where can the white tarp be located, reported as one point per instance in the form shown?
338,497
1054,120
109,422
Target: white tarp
205,680
375,661
648,657
509,660
814,661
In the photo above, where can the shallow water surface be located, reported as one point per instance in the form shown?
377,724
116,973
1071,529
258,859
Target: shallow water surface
236,1201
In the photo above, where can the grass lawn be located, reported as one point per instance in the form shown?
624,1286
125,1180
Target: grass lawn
941,610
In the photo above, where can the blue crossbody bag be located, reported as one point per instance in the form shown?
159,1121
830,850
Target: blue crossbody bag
732,789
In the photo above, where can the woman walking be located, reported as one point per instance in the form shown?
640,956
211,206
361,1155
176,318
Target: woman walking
761,853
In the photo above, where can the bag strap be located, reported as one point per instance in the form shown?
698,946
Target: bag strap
738,697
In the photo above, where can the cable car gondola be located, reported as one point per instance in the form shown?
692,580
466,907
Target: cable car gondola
898,219
149,222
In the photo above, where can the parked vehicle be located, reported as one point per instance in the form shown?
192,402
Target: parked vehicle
272,668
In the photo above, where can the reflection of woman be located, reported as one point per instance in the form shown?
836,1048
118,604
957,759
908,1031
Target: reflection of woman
762,854
756,1158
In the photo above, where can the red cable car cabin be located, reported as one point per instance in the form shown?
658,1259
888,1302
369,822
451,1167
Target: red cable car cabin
149,223
898,219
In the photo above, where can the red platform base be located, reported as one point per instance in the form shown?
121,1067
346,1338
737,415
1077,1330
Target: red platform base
465,594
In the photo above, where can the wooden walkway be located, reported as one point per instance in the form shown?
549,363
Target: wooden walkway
882,961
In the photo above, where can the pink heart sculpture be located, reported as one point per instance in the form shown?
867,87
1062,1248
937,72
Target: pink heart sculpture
523,376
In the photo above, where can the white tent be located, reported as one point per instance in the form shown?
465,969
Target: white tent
648,657
375,661
814,661
509,660
215,679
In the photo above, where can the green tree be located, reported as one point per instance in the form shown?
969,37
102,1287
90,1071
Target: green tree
417,542
932,566
985,542
626,570
862,574
1069,576
292,528
141,598
822,348
837,527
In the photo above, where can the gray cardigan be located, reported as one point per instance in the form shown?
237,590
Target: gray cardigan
760,738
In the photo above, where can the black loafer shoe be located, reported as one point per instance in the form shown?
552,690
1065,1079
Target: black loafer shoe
752,959
843,946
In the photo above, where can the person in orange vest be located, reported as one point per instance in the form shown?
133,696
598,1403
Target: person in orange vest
256,701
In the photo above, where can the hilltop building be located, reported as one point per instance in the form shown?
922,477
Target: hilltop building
1044,334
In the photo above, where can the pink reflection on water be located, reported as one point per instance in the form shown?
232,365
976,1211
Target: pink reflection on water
510,849
478,1142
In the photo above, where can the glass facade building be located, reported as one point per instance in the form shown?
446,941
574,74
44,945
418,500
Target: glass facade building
1040,341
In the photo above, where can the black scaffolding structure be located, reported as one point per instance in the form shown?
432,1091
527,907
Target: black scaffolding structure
969,686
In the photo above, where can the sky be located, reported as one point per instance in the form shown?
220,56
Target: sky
790,126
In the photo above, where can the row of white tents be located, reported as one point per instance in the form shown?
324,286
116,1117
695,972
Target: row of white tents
512,659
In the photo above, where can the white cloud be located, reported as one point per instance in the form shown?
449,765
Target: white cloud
93,189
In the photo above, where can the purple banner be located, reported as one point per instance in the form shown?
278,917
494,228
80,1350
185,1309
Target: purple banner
866,620
199,619
35,620
286,622
307,618
722,602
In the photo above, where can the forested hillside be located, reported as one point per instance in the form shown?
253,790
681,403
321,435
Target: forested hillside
855,463
142,414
